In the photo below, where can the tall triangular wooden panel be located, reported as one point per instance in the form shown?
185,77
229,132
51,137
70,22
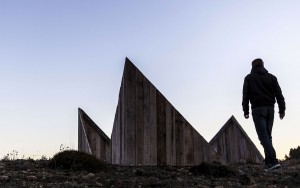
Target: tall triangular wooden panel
234,145
148,130
91,139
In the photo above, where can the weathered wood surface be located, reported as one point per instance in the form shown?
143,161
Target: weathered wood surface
91,139
233,144
148,130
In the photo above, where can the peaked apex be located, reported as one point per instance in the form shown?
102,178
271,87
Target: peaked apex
233,119
80,111
127,61
129,66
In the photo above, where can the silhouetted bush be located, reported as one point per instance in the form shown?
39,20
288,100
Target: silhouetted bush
294,153
213,170
76,160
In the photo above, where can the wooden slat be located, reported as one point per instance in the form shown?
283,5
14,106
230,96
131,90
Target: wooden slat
153,126
169,134
114,140
139,119
147,125
207,151
228,143
174,141
121,123
179,135
198,148
188,144
130,114
161,129
101,147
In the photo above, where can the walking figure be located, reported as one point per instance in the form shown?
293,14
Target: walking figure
262,90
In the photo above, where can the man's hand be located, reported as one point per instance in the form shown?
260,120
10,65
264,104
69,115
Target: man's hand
281,116
246,116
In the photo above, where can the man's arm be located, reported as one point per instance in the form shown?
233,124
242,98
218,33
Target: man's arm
246,98
279,98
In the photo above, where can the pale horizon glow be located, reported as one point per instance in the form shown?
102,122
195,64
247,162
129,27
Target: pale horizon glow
56,56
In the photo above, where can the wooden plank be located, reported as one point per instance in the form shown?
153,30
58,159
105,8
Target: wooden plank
227,144
153,126
169,134
122,123
179,135
114,139
239,145
130,115
147,127
100,148
236,144
174,141
198,148
80,140
161,129
188,144
119,135
139,119
207,151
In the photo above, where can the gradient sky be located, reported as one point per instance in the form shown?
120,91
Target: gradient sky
56,56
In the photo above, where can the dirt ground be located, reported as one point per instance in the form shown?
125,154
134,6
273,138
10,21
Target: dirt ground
30,173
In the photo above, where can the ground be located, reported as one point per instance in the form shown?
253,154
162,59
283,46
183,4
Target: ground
30,173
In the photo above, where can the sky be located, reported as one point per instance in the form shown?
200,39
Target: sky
56,56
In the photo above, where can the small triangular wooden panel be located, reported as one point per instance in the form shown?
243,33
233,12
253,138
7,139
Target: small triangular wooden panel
91,139
234,145
148,130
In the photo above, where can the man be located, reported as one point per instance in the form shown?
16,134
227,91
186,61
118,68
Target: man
261,89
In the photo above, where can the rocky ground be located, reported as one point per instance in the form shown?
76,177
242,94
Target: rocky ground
30,173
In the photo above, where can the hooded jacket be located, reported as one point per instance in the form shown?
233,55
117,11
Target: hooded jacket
262,90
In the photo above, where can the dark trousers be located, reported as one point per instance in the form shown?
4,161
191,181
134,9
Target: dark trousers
263,118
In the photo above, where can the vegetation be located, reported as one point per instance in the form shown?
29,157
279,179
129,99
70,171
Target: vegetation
75,161
294,153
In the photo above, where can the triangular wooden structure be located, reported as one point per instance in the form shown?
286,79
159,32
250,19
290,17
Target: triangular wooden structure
148,130
234,145
91,139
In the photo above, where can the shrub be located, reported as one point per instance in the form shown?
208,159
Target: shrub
213,170
76,160
294,153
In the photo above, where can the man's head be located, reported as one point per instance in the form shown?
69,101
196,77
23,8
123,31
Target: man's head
257,63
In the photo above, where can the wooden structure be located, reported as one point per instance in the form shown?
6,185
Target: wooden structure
91,139
234,145
148,130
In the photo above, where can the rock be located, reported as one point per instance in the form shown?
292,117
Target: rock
138,172
179,179
99,184
153,180
68,184
245,179
27,165
90,175
3,178
31,178
219,186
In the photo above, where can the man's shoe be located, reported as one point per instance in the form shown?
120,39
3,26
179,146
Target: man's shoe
273,167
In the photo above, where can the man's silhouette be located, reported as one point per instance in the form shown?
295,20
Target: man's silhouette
262,90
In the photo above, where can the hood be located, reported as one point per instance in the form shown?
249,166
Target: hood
259,70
